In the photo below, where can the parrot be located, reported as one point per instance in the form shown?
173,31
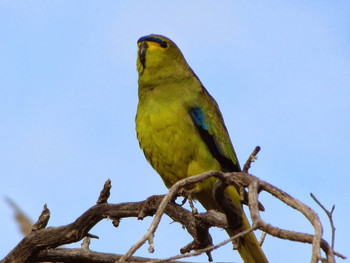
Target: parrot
181,130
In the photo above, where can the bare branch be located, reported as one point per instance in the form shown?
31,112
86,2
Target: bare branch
262,238
38,243
105,193
78,255
86,243
308,212
207,249
243,193
43,219
56,236
330,217
254,185
160,211
251,159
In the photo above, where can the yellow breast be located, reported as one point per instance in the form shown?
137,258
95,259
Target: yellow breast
171,142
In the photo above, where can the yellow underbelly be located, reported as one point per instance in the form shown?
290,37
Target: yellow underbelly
172,145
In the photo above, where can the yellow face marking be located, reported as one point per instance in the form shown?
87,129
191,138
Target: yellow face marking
145,47
153,45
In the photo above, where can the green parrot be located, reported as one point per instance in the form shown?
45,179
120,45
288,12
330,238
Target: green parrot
181,130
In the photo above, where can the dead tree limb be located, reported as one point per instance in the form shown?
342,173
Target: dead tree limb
82,255
329,215
37,245
53,237
255,186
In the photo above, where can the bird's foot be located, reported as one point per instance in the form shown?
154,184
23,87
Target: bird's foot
188,196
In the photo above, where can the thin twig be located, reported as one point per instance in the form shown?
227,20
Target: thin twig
207,249
82,255
160,211
86,243
105,193
262,238
251,159
43,219
257,185
248,180
330,217
56,236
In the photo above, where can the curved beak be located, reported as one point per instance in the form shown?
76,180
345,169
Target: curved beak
142,53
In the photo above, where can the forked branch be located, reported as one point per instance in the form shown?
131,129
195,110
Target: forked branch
37,244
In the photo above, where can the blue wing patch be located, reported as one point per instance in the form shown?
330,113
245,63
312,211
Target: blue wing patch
198,117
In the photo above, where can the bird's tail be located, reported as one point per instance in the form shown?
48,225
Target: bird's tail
248,246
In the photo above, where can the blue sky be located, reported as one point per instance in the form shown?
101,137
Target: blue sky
68,95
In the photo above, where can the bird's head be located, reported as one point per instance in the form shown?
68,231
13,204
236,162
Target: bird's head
159,57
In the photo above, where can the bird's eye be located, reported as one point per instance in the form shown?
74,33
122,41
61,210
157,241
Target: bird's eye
164,44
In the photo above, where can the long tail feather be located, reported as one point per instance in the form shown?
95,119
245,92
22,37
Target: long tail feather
248,246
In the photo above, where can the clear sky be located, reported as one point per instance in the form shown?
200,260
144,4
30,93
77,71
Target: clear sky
280,71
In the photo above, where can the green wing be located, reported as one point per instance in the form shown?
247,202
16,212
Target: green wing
210,125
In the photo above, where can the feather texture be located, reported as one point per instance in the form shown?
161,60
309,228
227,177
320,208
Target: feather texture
181,130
